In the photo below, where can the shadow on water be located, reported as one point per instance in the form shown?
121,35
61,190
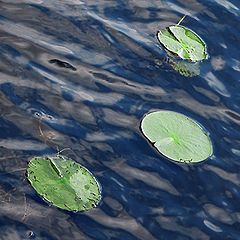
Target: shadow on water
81,75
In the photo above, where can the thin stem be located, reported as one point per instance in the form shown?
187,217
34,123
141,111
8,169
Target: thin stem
59,152
179,22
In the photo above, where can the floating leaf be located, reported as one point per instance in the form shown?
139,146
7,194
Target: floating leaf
183,42
177,136
64,183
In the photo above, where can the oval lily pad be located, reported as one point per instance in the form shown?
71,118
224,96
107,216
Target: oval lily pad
177,136
64,183
183,42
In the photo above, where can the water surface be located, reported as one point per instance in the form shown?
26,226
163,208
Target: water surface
80,75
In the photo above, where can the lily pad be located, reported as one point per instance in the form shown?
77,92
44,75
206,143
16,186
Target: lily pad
183,42
64,183
177,136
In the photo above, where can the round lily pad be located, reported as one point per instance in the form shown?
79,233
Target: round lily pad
64,183
177,136
183,42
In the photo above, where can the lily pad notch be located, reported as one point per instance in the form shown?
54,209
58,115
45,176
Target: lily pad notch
177,137
183,42
64,183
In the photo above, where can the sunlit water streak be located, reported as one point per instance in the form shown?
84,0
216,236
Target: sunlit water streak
81,75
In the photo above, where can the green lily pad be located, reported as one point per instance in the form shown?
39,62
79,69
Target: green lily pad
64,183
177,136
183,42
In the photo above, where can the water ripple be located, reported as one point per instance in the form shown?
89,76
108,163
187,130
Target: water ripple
80,75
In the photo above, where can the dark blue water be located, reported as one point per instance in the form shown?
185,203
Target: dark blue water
81,75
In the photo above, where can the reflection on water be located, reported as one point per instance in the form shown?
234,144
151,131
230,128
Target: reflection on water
81,75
